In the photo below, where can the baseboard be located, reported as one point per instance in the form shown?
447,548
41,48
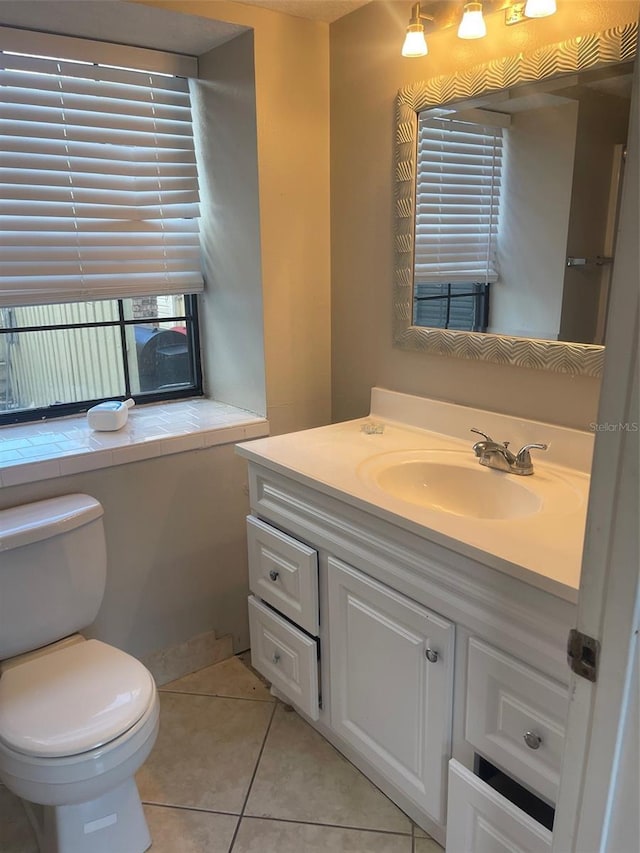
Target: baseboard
198,652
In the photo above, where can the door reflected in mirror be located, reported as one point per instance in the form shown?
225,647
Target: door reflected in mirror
517,197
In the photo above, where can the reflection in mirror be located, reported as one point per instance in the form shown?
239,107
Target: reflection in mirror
516,202
524,294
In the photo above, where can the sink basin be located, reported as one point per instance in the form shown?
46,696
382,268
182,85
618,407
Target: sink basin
455,483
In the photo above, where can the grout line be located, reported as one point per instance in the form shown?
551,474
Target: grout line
253,776
188,808
351,828
202,810
214,695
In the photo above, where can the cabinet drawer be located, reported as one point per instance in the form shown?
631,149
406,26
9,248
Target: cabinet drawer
284,573
482,821
506,700
287,657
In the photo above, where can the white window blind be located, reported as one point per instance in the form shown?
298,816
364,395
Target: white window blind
457,199
98,182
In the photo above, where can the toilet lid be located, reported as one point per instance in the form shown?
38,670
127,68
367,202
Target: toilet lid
72,700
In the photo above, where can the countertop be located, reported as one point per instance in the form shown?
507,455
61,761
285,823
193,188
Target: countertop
543,549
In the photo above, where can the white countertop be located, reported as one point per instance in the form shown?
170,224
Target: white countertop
543,549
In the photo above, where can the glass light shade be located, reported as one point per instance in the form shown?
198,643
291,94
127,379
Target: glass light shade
539,8
415,43
472,25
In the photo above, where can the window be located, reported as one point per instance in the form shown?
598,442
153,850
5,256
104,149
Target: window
99,243
457,199
60,359
463,307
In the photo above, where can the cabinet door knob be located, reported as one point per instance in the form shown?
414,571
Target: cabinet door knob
532,740
276,657
431,655
273,575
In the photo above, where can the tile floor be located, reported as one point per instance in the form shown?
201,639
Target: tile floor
235,772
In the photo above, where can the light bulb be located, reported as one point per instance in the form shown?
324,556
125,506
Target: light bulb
472,25
540,8
415,43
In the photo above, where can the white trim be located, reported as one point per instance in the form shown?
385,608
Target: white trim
609,588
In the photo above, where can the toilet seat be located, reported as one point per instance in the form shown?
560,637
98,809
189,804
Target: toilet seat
72,701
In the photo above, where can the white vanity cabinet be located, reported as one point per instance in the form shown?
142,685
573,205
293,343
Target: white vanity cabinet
391,682
415,661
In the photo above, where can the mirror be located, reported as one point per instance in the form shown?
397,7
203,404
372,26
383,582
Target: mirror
506,205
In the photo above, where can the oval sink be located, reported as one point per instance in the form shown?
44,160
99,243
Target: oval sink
455,483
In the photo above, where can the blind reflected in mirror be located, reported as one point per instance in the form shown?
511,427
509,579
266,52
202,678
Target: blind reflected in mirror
516,206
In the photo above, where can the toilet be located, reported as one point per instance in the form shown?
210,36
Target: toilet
77,717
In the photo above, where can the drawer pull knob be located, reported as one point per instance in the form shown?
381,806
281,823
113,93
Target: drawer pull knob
273,575
276,657
431,655
532,740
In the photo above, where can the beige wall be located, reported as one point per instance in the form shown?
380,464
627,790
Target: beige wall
176,546
175,525
223,102
603,122
366,72
292,107
534,219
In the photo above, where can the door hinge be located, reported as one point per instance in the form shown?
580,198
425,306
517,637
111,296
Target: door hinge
583,653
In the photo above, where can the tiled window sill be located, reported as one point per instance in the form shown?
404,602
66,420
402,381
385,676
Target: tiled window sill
48,449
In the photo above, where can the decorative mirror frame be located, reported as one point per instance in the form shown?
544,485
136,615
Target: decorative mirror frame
576,54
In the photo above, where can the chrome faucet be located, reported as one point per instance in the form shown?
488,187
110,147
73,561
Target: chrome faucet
498,456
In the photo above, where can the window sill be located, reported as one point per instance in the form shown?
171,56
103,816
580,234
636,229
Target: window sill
58,448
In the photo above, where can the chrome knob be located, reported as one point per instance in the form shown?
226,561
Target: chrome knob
431,655
273,575
276,657
532,740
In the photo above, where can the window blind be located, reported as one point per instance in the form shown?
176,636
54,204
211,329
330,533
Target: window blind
98,182
458,178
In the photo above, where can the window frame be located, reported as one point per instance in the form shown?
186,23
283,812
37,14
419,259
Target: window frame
60,410
478,291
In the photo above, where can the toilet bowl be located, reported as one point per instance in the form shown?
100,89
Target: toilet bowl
77,717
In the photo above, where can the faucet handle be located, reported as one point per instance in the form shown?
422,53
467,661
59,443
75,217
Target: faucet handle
483,434
523,457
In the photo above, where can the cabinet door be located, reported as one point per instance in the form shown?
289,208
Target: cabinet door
391,683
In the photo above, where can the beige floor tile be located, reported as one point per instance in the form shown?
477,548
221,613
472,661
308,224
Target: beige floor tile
302,777
16,835
183,831
206,752
272,836
427,845
230,678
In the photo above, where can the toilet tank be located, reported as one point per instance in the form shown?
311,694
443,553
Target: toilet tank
53,564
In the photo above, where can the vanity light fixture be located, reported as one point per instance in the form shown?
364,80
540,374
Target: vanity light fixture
519,12
472,25
539,8
415,43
